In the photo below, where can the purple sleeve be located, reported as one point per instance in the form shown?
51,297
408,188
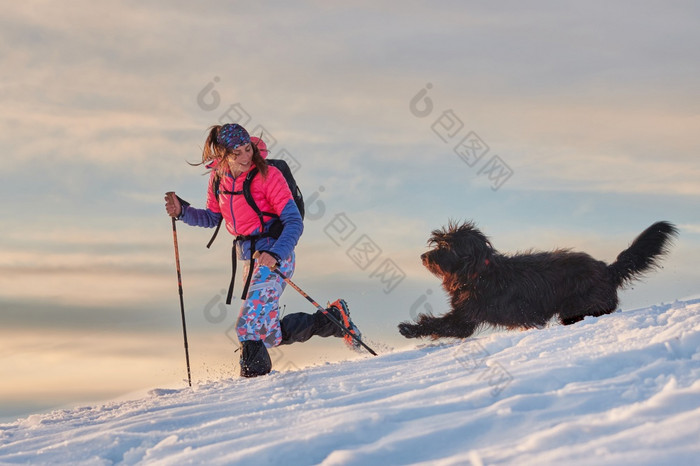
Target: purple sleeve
199,217
293,227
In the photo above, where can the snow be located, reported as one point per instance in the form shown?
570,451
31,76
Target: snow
618,389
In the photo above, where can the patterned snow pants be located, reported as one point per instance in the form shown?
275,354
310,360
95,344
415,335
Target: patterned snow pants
259,316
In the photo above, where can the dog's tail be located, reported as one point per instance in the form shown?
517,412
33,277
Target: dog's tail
643,254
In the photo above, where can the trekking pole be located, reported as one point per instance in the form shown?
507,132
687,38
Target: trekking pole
325,312
182,302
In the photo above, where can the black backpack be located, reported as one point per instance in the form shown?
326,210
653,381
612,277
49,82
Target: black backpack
275,230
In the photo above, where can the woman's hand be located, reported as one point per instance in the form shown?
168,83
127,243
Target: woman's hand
265,259
172,204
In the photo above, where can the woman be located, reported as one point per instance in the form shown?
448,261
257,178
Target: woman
266,243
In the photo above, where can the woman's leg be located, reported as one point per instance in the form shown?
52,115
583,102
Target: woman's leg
259,316
300,326
258,324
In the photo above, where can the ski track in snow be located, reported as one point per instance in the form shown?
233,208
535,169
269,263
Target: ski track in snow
618,389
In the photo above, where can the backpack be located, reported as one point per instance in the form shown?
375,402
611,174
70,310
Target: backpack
275,229
282,166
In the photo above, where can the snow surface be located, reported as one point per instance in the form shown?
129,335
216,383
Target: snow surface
619,389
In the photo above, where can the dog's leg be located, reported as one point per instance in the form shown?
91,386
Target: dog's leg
597,302
570,320
429,326
410,330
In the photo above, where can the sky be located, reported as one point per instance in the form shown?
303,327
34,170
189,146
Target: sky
549,124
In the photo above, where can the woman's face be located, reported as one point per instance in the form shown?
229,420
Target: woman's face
242,156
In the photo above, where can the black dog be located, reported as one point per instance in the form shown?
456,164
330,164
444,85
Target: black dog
526,290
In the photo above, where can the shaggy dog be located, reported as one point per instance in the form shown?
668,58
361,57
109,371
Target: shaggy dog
526,290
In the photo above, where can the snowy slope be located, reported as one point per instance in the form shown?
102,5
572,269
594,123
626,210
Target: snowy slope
619,389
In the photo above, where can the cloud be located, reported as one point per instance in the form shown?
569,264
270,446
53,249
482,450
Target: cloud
690,228
118,88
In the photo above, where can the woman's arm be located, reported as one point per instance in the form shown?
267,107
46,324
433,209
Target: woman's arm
180,209
280,198
293,227
198,217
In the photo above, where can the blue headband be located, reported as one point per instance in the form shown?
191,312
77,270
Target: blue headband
232,136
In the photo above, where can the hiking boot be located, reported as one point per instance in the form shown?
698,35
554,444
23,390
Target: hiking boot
339,309
255,360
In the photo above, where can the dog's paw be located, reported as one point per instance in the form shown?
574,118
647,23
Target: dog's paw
409,330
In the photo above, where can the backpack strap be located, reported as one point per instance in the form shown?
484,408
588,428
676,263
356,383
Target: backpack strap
247,194
233,273
283,167
251,265
216,232
215,189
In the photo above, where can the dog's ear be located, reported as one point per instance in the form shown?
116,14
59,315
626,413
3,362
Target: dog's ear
479,255
468,267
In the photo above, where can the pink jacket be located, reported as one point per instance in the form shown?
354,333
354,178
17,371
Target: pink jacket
270,195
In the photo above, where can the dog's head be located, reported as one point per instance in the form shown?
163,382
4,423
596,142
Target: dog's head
458,250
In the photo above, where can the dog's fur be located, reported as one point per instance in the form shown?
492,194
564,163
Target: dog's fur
526,290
